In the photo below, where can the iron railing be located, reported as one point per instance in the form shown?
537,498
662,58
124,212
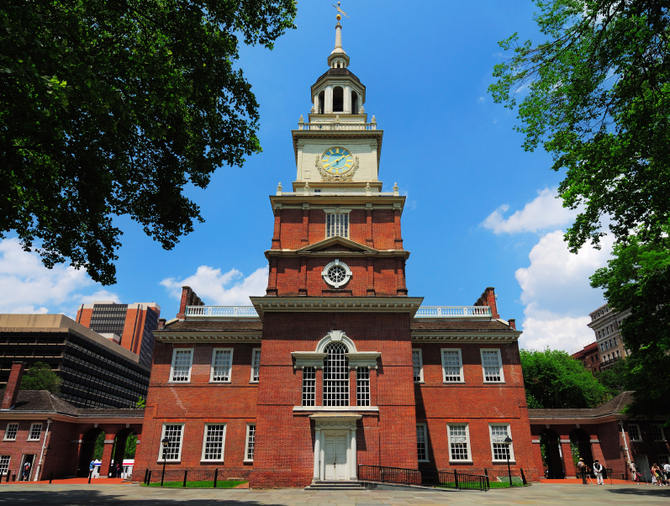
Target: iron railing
425,477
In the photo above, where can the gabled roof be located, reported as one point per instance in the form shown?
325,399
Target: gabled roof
338,241
611,409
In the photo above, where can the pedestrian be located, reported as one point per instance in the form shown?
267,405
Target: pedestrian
666,469
598,470
118,470
583,468
26,471
91,467
634,475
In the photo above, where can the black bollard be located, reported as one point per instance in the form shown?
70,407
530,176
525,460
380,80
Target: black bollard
90,474
523,477
51,478
216,475
185,473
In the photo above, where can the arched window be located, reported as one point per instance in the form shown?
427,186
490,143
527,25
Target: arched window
336,376
354,103
321,101
338,99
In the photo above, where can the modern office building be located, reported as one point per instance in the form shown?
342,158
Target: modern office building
95,371
129,325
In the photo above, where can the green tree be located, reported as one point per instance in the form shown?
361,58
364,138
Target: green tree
615,378
596,95
111,107
41,377
131,447
553,379
638,279
99,447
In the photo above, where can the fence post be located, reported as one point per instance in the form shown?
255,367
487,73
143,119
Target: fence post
523,477
149,478
216,475
488,483
9,473
456,478
185,473
90,473
51,478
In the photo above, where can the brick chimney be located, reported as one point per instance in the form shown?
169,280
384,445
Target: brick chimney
488,298
188,298
161,323
512,323
13,383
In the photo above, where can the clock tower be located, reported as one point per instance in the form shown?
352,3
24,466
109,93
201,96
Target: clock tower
336,295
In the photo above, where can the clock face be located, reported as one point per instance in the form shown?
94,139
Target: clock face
337,161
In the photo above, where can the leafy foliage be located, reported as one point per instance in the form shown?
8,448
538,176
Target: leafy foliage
596,95
615,378
598,98
40,377
638,279
141,402
553,379
112,107
131,447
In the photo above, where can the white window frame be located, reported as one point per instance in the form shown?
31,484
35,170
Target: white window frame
502,373
639,432
175,351
424,427
30,432
419,353
443,352
363,387
512,460
255,365
204,442
181,443
660,428
230,366
4,464
10,424
308,386
246,442
467,460
338,215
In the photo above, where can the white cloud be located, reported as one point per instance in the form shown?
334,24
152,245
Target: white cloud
557,294
26,286
545,211
481,100
210,285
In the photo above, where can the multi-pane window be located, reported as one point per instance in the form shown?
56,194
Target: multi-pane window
337,224
4,464
634,432
309,386
452,365
35,432
363,386
492,366
500,449
417,362
658,432
212,445
255,365
336,376
459,442
222,361
251,442
181,365
10,433
171,451
421,442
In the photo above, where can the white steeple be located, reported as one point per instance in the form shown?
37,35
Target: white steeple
338,58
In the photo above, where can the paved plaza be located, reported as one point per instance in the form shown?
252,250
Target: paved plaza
135,495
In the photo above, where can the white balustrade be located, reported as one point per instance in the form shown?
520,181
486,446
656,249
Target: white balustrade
422,312
337,126
453,312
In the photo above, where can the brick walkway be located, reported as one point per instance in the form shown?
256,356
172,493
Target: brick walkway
59,494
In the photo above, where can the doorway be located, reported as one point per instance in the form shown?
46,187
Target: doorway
642,463
27,459
335,456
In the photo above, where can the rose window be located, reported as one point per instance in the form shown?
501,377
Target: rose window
336,274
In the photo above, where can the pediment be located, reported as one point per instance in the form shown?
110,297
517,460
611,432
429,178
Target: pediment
337,243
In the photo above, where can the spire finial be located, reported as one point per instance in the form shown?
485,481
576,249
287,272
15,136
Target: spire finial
338,30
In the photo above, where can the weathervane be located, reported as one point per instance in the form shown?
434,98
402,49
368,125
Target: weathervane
340,11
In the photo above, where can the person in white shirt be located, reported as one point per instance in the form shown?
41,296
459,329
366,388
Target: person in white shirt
598,470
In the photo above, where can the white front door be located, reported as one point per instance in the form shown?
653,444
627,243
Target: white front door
335,459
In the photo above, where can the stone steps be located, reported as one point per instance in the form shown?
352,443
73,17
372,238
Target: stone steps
336,485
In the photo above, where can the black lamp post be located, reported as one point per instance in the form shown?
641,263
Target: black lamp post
165,442
507,442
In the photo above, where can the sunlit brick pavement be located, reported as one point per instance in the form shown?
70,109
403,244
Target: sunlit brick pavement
135,495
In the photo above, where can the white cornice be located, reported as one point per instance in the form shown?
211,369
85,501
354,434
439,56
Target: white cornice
460,336
209,336
336,304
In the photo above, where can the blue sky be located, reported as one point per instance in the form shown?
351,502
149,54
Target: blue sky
480,210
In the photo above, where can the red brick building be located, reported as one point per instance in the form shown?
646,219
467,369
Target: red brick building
589,356
336,366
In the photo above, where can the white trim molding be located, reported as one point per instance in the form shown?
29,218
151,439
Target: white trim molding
356,358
